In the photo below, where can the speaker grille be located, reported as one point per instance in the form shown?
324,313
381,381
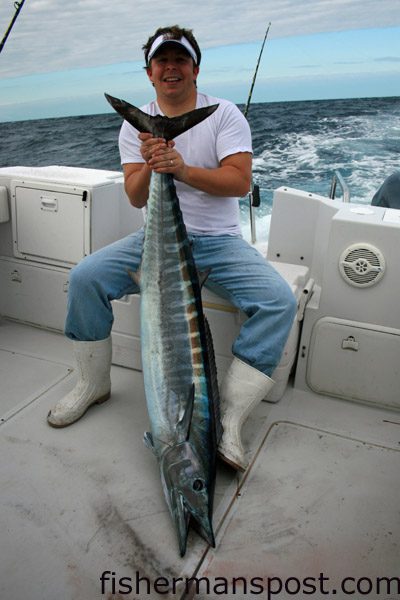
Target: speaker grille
362,265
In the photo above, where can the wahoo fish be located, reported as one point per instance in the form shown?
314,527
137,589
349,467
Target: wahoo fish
177,353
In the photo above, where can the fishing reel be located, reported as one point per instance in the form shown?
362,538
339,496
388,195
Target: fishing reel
254,196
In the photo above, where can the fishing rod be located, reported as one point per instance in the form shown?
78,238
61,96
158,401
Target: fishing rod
246,110
18,7
254,194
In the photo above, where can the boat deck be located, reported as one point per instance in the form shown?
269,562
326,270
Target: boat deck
321,496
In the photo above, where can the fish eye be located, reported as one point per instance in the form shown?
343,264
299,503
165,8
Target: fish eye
198,485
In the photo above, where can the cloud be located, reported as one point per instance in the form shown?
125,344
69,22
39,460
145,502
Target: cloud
391,59
54,35
348,62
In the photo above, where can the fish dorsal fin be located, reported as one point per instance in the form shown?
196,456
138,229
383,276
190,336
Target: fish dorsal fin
159,126
203,276
148,441
213,383
185,417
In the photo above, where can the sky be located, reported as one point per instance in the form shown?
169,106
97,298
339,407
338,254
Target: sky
62,56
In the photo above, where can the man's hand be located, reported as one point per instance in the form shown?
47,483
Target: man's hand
162,157
150,145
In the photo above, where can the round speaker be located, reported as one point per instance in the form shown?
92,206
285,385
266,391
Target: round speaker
362,265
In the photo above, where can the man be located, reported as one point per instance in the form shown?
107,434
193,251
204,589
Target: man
211,164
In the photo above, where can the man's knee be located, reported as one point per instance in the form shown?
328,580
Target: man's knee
280,307
287,300
291,305
81,276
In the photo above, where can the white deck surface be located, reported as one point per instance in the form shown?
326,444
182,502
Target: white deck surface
306,509
322,495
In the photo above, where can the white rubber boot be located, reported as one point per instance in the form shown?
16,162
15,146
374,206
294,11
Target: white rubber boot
93,361
242,389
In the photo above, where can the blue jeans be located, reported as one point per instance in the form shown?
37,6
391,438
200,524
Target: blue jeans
238,273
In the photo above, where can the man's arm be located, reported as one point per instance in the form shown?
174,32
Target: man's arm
137,182
137,175
231,178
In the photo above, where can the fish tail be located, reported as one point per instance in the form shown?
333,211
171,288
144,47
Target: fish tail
159,126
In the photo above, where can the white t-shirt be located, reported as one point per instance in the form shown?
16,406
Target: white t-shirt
223,133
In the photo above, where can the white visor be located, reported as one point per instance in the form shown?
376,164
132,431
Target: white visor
166,39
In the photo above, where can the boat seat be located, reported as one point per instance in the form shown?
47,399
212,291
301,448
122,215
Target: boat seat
229,318
297,276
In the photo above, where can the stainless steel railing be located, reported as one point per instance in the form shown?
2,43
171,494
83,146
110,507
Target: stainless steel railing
338,179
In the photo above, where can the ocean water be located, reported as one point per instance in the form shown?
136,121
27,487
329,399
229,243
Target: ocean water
296,144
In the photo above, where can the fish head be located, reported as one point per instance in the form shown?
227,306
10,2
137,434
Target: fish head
187,492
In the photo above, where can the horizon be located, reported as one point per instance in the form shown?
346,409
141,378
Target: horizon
239,104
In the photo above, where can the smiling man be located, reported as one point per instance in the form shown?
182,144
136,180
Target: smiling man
211,165
172,67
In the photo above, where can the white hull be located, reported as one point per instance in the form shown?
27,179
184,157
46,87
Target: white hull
321,495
